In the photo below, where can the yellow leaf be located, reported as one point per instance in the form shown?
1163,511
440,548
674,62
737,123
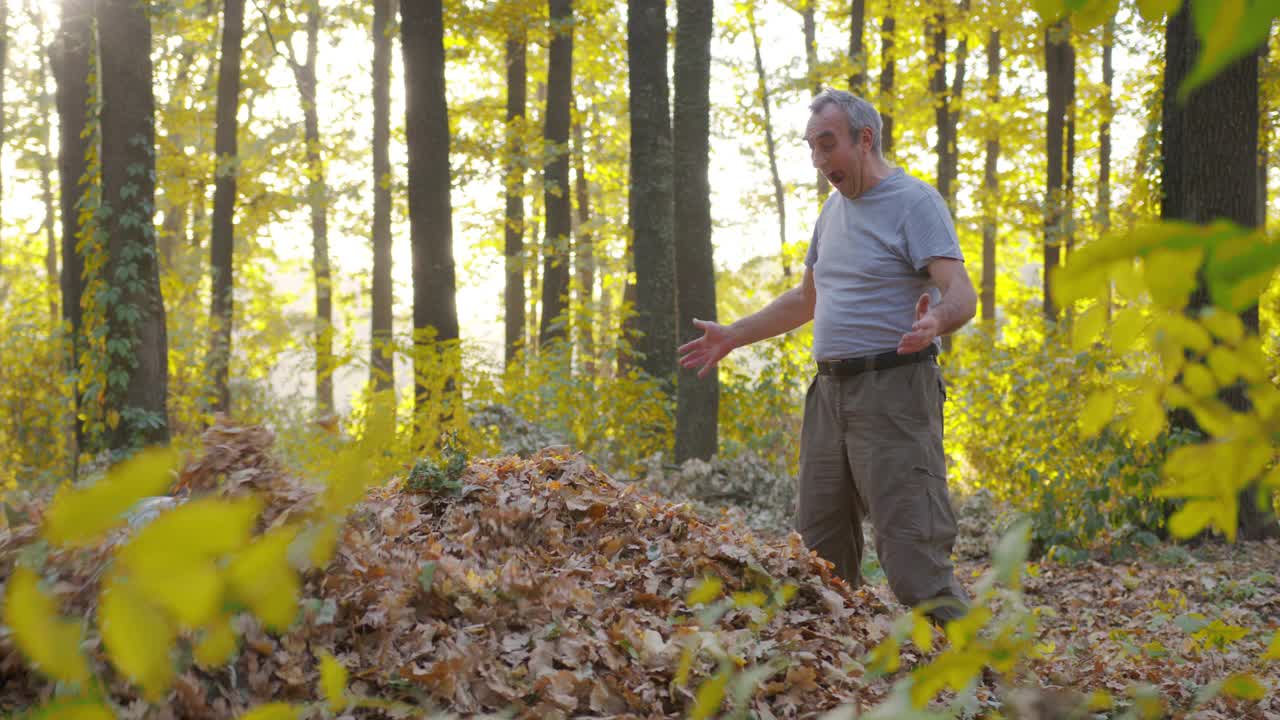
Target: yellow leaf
1126,328
1100,700
260,575
1098,411
1148,416
1197,379
217,644
687,656
755,598
1225,326
1184,332
1088,326
273,711
1198,514
1128,280
710,696
137,638
707,591
1244,686
922,632
52,642
963,630
74,709
79,516
1225,365
1273,650
1154,10
333,682
1171,275
1094,13
1050,10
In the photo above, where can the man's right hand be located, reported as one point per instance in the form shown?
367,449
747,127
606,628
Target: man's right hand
704,352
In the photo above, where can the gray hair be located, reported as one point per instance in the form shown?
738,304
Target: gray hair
860,112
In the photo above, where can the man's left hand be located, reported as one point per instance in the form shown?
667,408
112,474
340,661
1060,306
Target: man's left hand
923,330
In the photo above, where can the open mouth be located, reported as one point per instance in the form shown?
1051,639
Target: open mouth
836,178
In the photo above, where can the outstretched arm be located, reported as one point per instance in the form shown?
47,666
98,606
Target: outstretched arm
958,304
787,312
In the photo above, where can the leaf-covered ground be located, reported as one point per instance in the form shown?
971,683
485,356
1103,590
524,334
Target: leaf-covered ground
544,587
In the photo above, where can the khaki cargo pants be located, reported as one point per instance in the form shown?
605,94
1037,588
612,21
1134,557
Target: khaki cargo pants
871,447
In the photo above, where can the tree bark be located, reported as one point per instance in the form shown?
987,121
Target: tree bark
382,352
1104,139
944,97
46,172
222,239
779,190
1069,165
72,48
652,208
4,63
1209,151
857,49
888,65
430,205
139,372
556,188
513,295
697,400
809,22
1057,71
991,181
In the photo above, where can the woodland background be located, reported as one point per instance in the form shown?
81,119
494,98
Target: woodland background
435,230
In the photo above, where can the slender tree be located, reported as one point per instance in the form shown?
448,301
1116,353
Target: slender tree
381,360
556,188
697,401
857,48
72,48
1209,151
814,81
1104,137
514,318
1058,70
46,109
652,210
222,240
137,341
888,65
991,179
771,147
945,98
4,62
584,262
430,207
1069,163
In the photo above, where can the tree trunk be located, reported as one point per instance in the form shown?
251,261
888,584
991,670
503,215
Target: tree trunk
304,74
513,295
991,181
652,208
74,44
584,253
382,355
430,206
857,49
697,401
888,64
1209,153
4,62
1069,166
128,191
779,190
556,188
1104,140
46,171
1057,49
943,98
222,240
814,81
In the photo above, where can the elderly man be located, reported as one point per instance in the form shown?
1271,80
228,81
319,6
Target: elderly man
884,280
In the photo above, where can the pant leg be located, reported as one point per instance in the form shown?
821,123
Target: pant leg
894,440
828,513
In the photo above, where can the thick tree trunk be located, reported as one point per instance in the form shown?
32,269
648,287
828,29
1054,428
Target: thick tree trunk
991,181
697,401
382,356
936,37
807,16
317,200
857,49
779,190
556,189
1209,153
888,65
513,295
1057,71
73,47
430,205
584,262
222,240
128,190
652,206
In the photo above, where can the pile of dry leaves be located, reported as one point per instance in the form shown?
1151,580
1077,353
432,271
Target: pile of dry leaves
542,587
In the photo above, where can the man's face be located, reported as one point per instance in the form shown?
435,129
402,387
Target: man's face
834,152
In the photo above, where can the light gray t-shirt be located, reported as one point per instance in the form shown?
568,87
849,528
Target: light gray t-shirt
870,258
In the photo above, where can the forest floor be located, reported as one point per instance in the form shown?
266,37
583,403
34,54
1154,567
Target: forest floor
542,587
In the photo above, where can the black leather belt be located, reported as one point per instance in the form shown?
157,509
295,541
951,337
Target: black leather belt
853,366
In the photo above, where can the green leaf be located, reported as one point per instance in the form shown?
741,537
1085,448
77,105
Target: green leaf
1153,10
1228,29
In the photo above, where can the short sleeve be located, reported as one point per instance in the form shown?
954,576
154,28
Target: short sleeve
929,233
811,257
